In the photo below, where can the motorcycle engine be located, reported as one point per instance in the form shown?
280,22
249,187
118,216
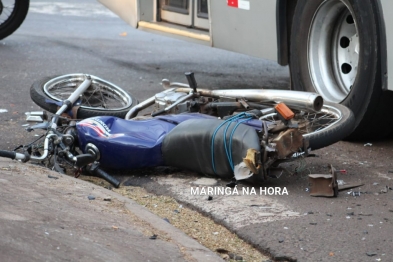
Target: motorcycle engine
164,100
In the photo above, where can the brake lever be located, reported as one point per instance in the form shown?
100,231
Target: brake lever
43,126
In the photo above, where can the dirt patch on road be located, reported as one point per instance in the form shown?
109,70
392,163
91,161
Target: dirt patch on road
203,229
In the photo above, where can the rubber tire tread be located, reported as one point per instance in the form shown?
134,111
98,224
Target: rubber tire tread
38,95
336,132
15,20
367,99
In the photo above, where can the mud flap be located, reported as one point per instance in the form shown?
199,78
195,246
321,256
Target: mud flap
194,144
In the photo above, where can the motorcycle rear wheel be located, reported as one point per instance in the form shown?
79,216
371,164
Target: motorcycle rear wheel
333,123
102,98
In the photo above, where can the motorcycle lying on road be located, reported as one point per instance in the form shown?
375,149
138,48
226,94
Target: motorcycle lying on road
234,133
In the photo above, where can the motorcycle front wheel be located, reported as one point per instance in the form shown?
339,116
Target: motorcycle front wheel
102,98
333,123
12,15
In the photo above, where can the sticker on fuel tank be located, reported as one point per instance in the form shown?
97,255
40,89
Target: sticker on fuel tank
99,127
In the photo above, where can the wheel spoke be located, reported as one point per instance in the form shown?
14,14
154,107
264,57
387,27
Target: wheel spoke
101,95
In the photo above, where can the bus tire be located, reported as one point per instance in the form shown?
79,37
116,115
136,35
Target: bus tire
335,51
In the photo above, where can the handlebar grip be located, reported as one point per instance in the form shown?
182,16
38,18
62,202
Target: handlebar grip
8,154
98,172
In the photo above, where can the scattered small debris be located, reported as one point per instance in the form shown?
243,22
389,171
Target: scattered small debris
351,214
349,186
355,194
25,125
331,254
329,215
154,237
210,198
115,227
108,198
3,110
123,34
176,211
235,257
365,215
368,144
385,189
53,177
225,257
280,240
310,212
222,251
108,187
232,184
91,197
341,182
313,223
375,184
365,232
371,254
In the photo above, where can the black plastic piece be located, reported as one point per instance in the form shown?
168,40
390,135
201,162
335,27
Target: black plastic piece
191,80
68,104
84,159
7,154
98,172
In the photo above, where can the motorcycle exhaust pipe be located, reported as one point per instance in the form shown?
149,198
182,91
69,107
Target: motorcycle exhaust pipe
293,99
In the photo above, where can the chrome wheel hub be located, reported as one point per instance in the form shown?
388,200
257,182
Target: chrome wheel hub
333,50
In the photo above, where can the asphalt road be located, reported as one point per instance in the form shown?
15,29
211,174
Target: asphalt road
61,37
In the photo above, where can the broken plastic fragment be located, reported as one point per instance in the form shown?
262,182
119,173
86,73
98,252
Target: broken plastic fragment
242,171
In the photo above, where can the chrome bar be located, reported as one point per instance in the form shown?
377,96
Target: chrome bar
181,100
46,149
293,99
71,99
148,102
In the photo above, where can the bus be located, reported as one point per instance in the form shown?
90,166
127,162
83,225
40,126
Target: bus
337,48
